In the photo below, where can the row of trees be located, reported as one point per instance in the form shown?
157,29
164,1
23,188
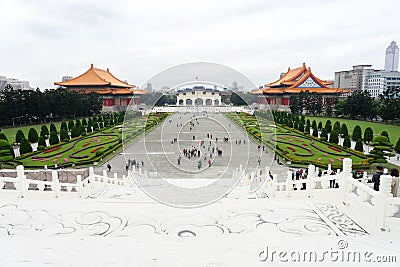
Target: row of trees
360,105
24,107
311,103
70,129
381,144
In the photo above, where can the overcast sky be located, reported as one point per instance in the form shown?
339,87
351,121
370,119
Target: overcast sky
43,40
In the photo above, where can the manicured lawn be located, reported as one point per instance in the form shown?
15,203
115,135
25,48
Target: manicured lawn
82,150
393,130
293,145
11,132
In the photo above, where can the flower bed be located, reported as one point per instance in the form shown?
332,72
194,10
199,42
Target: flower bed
51,150
97,148
291,148
335,149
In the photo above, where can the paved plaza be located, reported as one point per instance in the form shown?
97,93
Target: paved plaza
159,153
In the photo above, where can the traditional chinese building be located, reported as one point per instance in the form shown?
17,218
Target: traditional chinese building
116,94
198,96
277,94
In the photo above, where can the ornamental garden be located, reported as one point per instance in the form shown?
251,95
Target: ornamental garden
301,142
76,143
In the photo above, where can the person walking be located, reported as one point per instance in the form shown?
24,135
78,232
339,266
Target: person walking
377,177
108,167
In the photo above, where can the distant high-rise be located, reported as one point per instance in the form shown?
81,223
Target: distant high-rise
392,57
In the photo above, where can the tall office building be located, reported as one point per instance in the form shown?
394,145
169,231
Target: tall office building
392,57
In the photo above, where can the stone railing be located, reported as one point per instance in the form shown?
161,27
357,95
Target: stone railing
382,208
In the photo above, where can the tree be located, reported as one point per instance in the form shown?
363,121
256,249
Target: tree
78,123
368,135
343,130
359,145
25,146
53,140
328,126
42,141
334,137
356,133
81,130
314,124
75,132
3,137
389,104
382,147
53,128
315,132
64,136
301,127
336,126
347,142
397,147
33,135
313,103
320,125
307,131
89,126
384,133
44,131
19,136
63,126
71,125
84,122
324,135
360,105
296,104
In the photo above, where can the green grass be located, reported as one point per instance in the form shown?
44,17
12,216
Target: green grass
393,130
294,145
11,132
107,140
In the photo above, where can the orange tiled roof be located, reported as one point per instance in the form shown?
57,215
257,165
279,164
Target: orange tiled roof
291,80
96,77
257,91
112,91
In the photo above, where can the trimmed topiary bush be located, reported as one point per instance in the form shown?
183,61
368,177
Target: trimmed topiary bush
25,146
41,148
53,128
356,133
19,136
343,130
315,132
33,135
53,140
63,126
64,135
328,126
334,137
81,130
347,142
397,147
368,135
42,141
359,145
320,126
324,135
6,151
336,127
75,132
3,136
384,133
71,125
44,131
307,131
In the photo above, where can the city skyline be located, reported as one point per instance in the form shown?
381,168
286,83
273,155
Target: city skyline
48,40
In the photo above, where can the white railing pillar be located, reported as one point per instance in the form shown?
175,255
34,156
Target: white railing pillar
346,174
56,183
289,186
79,185
385,188
23,186
310,180
105,177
